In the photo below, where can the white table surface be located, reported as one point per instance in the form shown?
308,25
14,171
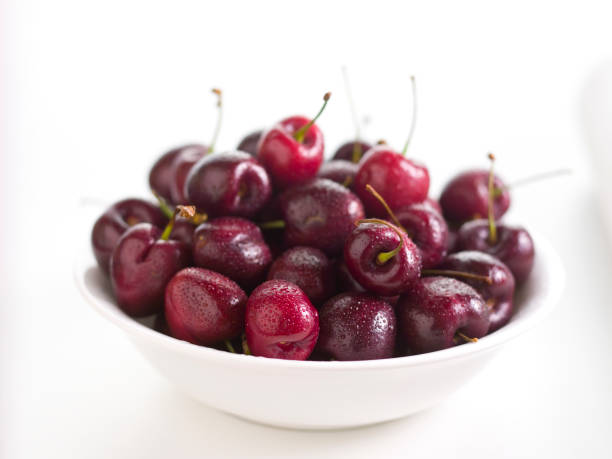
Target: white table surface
95,92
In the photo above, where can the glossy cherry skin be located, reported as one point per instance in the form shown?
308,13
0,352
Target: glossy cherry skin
183,230
347,283
281,322
394,276
288,161
345,151
398,180
499,295
466,197
339,171
435,309
141,266
228,184
319,214
427,229
234,247
514,245
356,326
204,307
116,220
309,269
161,176
181,166
250,142
433,204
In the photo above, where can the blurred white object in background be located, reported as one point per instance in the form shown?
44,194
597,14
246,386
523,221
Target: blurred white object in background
597,116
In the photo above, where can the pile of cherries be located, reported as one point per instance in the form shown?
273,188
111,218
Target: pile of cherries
270,251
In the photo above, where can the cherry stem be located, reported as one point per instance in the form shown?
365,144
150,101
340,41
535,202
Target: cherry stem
245,346
414,115
357,153
466,338
492,227
347,181
301,132
163,205
229,346
183,211
380,199
450,272
273,224
384,257
217,92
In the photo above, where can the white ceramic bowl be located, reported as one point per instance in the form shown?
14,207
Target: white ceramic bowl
323,395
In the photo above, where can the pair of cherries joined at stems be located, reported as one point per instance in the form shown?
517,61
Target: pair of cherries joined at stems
314,274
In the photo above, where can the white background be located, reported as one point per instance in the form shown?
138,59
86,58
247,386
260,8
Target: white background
92,92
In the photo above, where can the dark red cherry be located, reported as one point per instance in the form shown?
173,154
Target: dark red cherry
466,197
356,326
142,263
225,184
347,283
339,171
182,164
116,220
249,143
309,269
399,181
292,150
440,312
233,247
281,322
204,307
352,151
433,204
496,285
381,257
427,229
161,173
512,245
319,214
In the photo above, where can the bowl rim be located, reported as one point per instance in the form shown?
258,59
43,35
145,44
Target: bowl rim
548,294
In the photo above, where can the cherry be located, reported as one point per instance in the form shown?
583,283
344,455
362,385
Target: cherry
356,326
233,247
440,312
183,226
351,151
292,150
115,221
381,257
231,183
339,171
400,181
433,204
249,143
318,214
143,262
162,172
466,196
512,245
281,322
309,269
495,285
169,174
347,283
204,307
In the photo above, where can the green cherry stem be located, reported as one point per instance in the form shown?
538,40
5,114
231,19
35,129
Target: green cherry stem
467,338
218,93
163,205
301,132
229,346
273,224
384,257
492,227
183,211
375,193
245,346
414,115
